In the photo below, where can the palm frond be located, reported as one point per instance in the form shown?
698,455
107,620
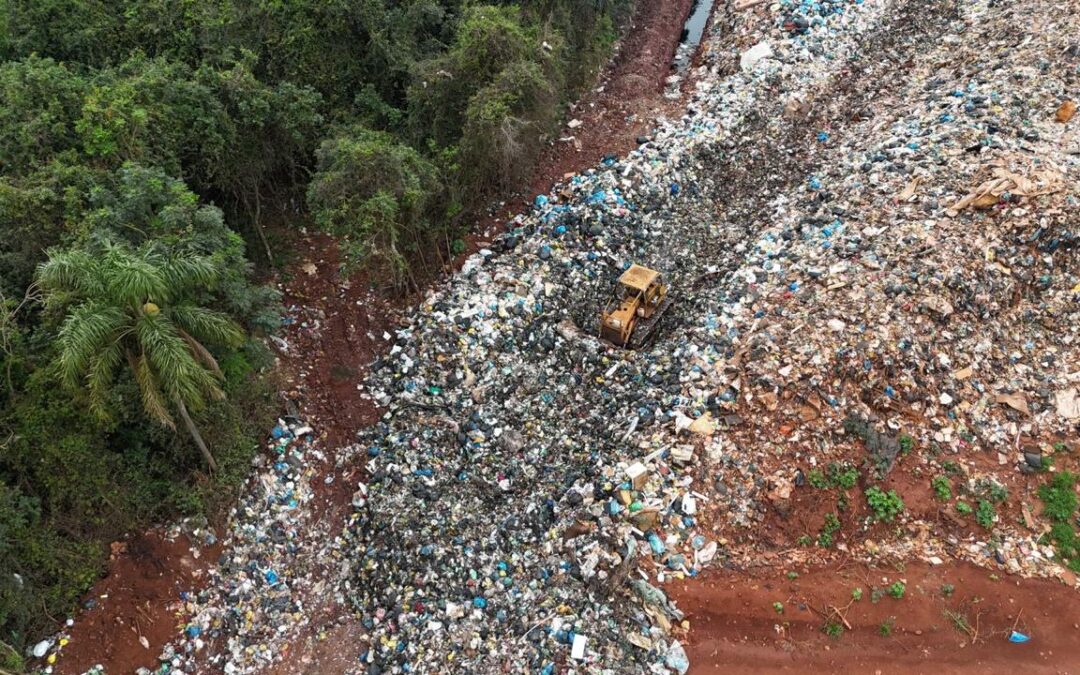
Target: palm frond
102,368
153,401
202,354
89,329
207,325
133,279
179,374
189,272
71,272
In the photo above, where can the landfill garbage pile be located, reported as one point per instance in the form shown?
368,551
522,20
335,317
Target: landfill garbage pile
532,488
868,221
257,589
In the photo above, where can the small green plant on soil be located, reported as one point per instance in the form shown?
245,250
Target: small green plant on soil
1058,497
457,247
10,660
1059,505
963,508
843,476
885,505
779,607
907,444
805,540
1060,447
990,490
828,530
876,594
833,629
897,589
837,475
959,621
792,576
985,514
947,590
856,594
885,629
942,487
950,467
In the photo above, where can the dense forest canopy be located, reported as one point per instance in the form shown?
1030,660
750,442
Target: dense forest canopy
153,155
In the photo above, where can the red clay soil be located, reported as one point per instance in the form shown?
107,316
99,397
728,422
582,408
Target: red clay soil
735,627
337,332
141,597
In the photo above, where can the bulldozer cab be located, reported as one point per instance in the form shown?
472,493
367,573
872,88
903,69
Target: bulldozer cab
639,296
638,280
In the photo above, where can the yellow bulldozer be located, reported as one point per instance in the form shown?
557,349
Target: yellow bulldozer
631,318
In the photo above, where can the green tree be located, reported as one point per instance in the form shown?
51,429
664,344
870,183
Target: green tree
131,306
41,101
380,197
488,40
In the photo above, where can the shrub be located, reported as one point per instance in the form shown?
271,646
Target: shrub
838,475
942,487
897,589
907,444
885,505
844,476
985,514
828,530
379,197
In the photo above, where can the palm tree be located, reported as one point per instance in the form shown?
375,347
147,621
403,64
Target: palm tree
134,307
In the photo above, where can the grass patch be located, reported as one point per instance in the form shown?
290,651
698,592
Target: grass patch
1059,505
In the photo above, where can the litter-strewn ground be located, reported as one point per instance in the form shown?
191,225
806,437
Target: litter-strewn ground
868,216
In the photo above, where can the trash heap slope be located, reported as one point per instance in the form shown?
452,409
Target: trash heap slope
868,219
532,488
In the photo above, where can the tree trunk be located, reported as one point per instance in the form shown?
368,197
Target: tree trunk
196,436
259,227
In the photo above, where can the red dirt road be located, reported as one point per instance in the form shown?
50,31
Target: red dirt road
735,628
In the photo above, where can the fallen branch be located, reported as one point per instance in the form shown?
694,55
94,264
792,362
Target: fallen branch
841,616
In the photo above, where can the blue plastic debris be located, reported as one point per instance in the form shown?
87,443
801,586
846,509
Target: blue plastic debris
655,543
1018,637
